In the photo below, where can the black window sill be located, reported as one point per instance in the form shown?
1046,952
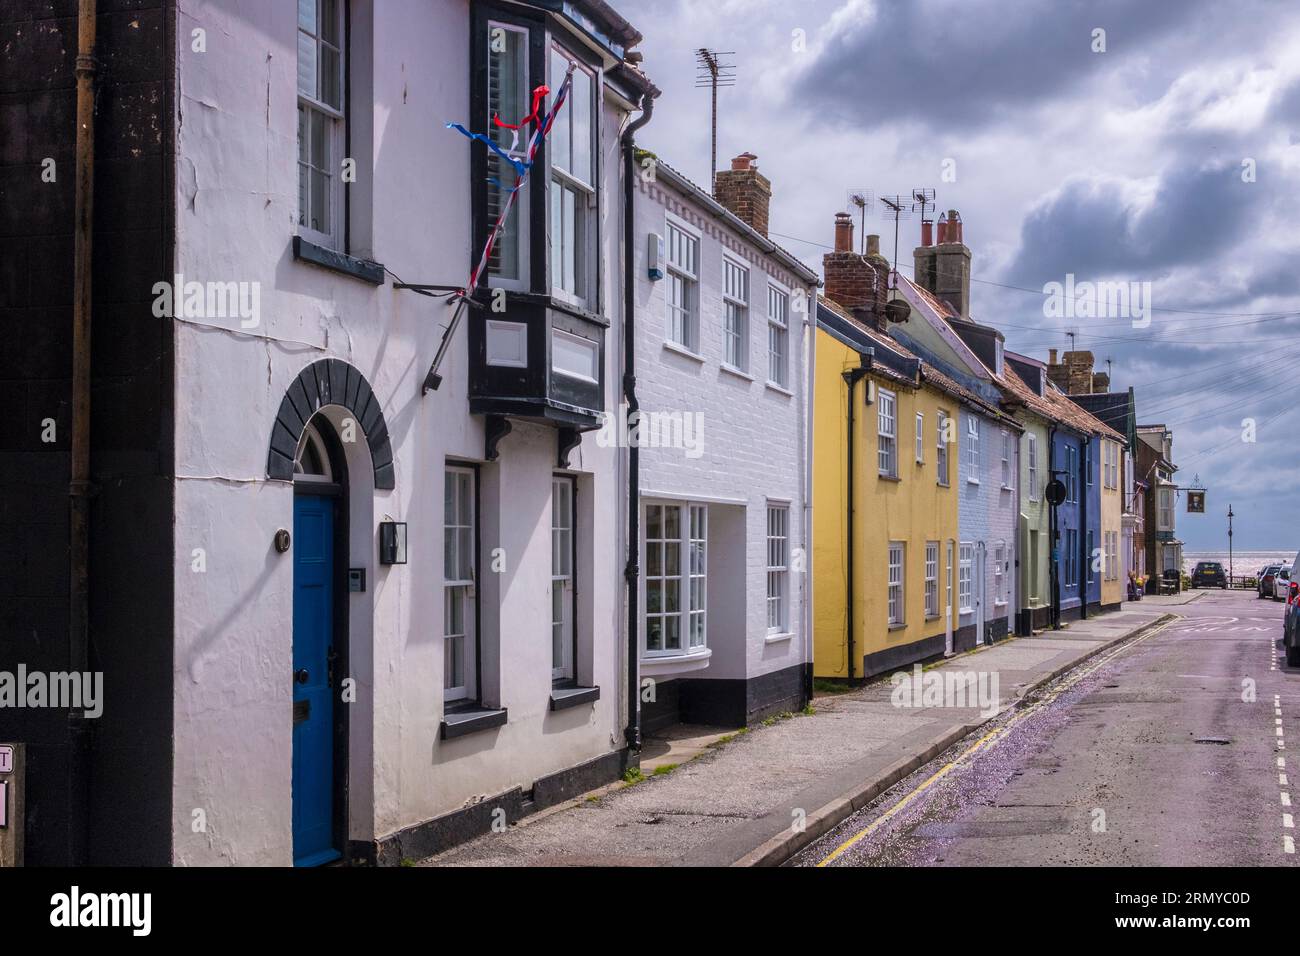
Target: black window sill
363,269
562,698
471,720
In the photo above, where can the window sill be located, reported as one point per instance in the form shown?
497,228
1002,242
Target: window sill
683,351
739,373
1008,488
931,617
901,625
778,638
777,387
470,720
972,481
305,250
884,477
943,484
677,662
562,698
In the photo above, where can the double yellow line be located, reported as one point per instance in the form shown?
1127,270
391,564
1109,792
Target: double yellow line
985,742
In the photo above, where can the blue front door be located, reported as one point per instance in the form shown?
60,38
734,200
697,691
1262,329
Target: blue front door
313,699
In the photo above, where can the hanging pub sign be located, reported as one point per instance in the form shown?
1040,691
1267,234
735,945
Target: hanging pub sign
1195,502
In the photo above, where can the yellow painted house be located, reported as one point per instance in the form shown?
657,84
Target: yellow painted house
897,574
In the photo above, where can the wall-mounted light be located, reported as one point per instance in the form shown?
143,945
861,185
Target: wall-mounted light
392,542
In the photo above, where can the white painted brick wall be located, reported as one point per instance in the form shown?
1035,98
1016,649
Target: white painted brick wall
754,436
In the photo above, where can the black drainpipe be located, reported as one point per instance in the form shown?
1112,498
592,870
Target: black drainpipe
1053,534
851,378
1085,456
632,572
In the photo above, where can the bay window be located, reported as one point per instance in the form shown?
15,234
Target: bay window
676,579
572,146
508,97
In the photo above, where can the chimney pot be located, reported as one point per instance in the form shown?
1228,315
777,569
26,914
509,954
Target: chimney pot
1051,356
745,161
873,244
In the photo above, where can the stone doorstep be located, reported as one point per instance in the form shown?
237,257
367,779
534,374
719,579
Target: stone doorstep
679,744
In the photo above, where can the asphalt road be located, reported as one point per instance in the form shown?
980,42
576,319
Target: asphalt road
1168,750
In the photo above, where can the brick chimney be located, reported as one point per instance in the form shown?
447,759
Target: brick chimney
1073,374
856,283
745,191
943,269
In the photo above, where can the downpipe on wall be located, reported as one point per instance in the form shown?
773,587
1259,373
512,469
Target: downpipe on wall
80,489
632,571
851,378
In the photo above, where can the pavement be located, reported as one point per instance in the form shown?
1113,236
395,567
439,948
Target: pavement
1170,750
759,796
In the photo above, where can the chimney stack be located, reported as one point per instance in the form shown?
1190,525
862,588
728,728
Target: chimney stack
944,268
746,192
858,284
1074,374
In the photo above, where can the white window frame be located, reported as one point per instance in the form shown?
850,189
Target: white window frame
887,433
685,271
735,314
518,223
563,606
582,291
896,595
920,438
778,335
312,104
931,579
941,448
1032,452
778,568
1007,475
459,588
973,449
691,577
965,580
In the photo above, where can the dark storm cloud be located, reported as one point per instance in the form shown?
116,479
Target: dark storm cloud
961,64
1093,229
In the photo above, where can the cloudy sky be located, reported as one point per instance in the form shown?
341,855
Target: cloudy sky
1129,164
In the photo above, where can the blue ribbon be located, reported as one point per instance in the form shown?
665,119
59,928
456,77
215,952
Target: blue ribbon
520,166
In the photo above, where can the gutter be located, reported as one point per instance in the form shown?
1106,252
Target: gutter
80,488
632,571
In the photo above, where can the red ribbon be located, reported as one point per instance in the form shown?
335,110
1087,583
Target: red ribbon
539,94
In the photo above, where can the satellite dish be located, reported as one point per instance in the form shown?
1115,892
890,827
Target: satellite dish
897,310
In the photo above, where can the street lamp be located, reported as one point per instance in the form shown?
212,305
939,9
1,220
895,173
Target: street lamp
1230,517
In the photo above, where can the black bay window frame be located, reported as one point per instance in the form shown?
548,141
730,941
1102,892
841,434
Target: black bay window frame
536,392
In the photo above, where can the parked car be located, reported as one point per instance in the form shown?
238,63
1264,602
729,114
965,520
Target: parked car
1209,574
1267,580
1282,583
1291,620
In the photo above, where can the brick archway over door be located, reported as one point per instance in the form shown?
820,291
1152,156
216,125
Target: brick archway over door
329,382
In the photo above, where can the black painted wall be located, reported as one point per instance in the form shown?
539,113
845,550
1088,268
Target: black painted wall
129,817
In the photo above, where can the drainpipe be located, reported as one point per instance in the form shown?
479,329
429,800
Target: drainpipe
1085,457
632,572
851,378
809,426
1053,534
80,488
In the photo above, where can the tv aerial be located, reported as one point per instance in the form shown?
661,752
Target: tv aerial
899,208
712,72
861,199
